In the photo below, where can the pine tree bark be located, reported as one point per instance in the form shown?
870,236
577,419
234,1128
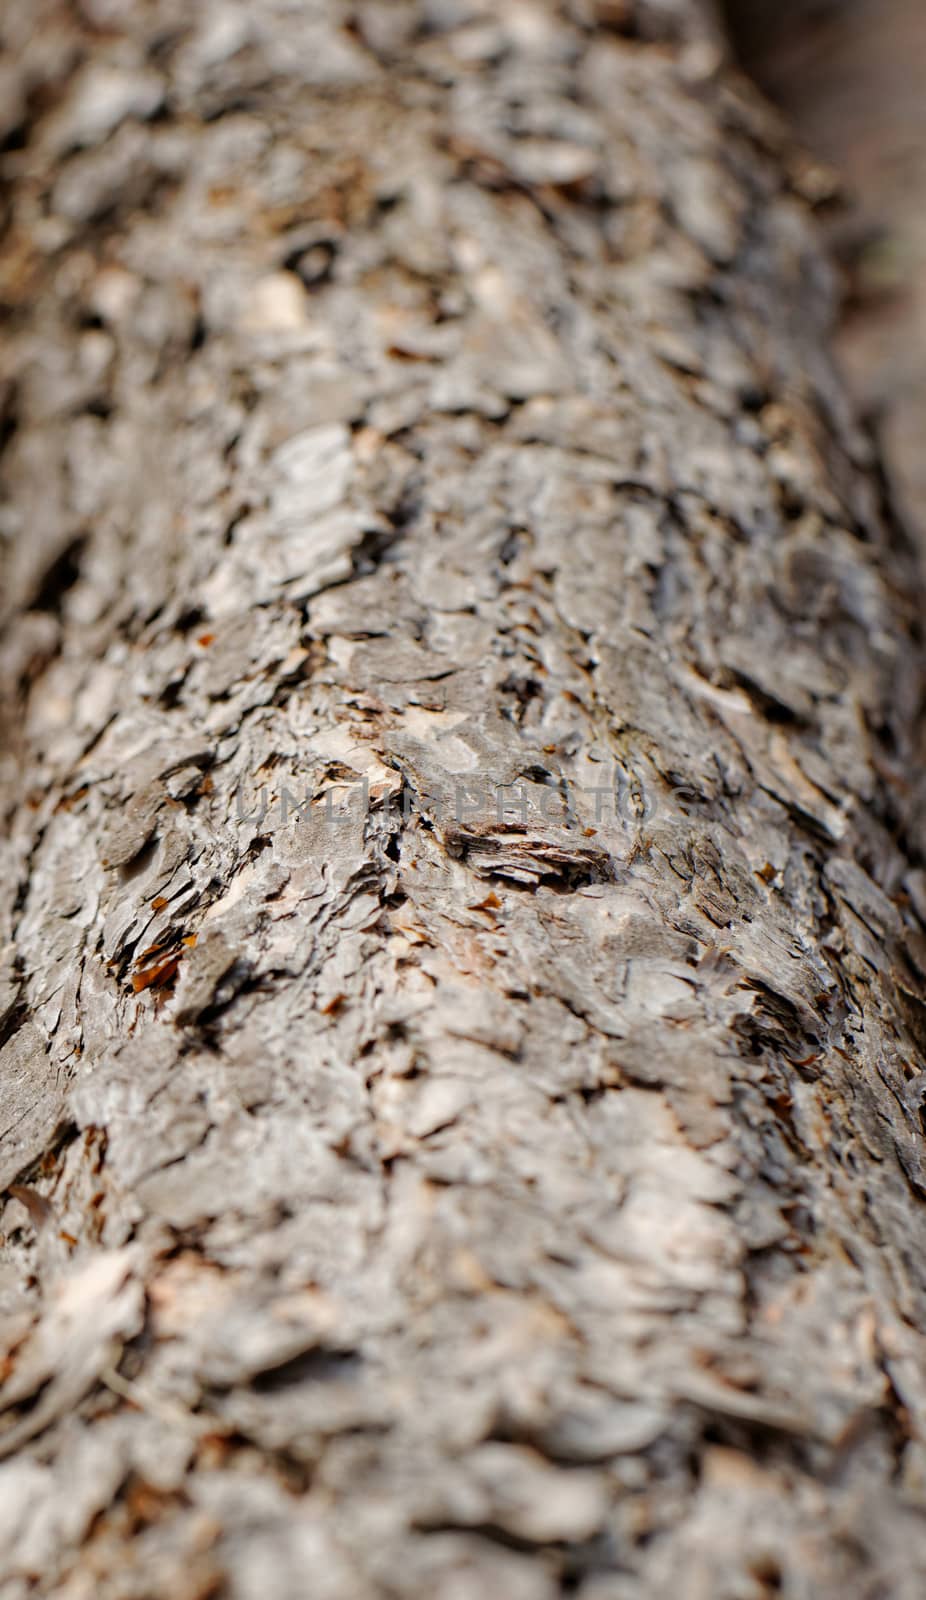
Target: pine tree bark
461,1084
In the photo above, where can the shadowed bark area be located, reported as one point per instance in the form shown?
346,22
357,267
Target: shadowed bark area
461,1081
848,75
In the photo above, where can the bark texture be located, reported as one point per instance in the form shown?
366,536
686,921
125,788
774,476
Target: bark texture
428,1197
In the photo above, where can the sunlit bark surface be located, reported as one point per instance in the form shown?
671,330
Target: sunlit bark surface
463,1003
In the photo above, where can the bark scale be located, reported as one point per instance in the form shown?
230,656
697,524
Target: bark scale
463,1007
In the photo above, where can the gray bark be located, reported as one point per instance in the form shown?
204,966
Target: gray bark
506,1179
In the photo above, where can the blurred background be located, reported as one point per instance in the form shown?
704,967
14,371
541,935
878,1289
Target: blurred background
850,78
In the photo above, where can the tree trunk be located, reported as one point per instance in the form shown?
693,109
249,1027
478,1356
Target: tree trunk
461,1084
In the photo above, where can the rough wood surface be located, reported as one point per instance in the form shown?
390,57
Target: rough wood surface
463,1004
